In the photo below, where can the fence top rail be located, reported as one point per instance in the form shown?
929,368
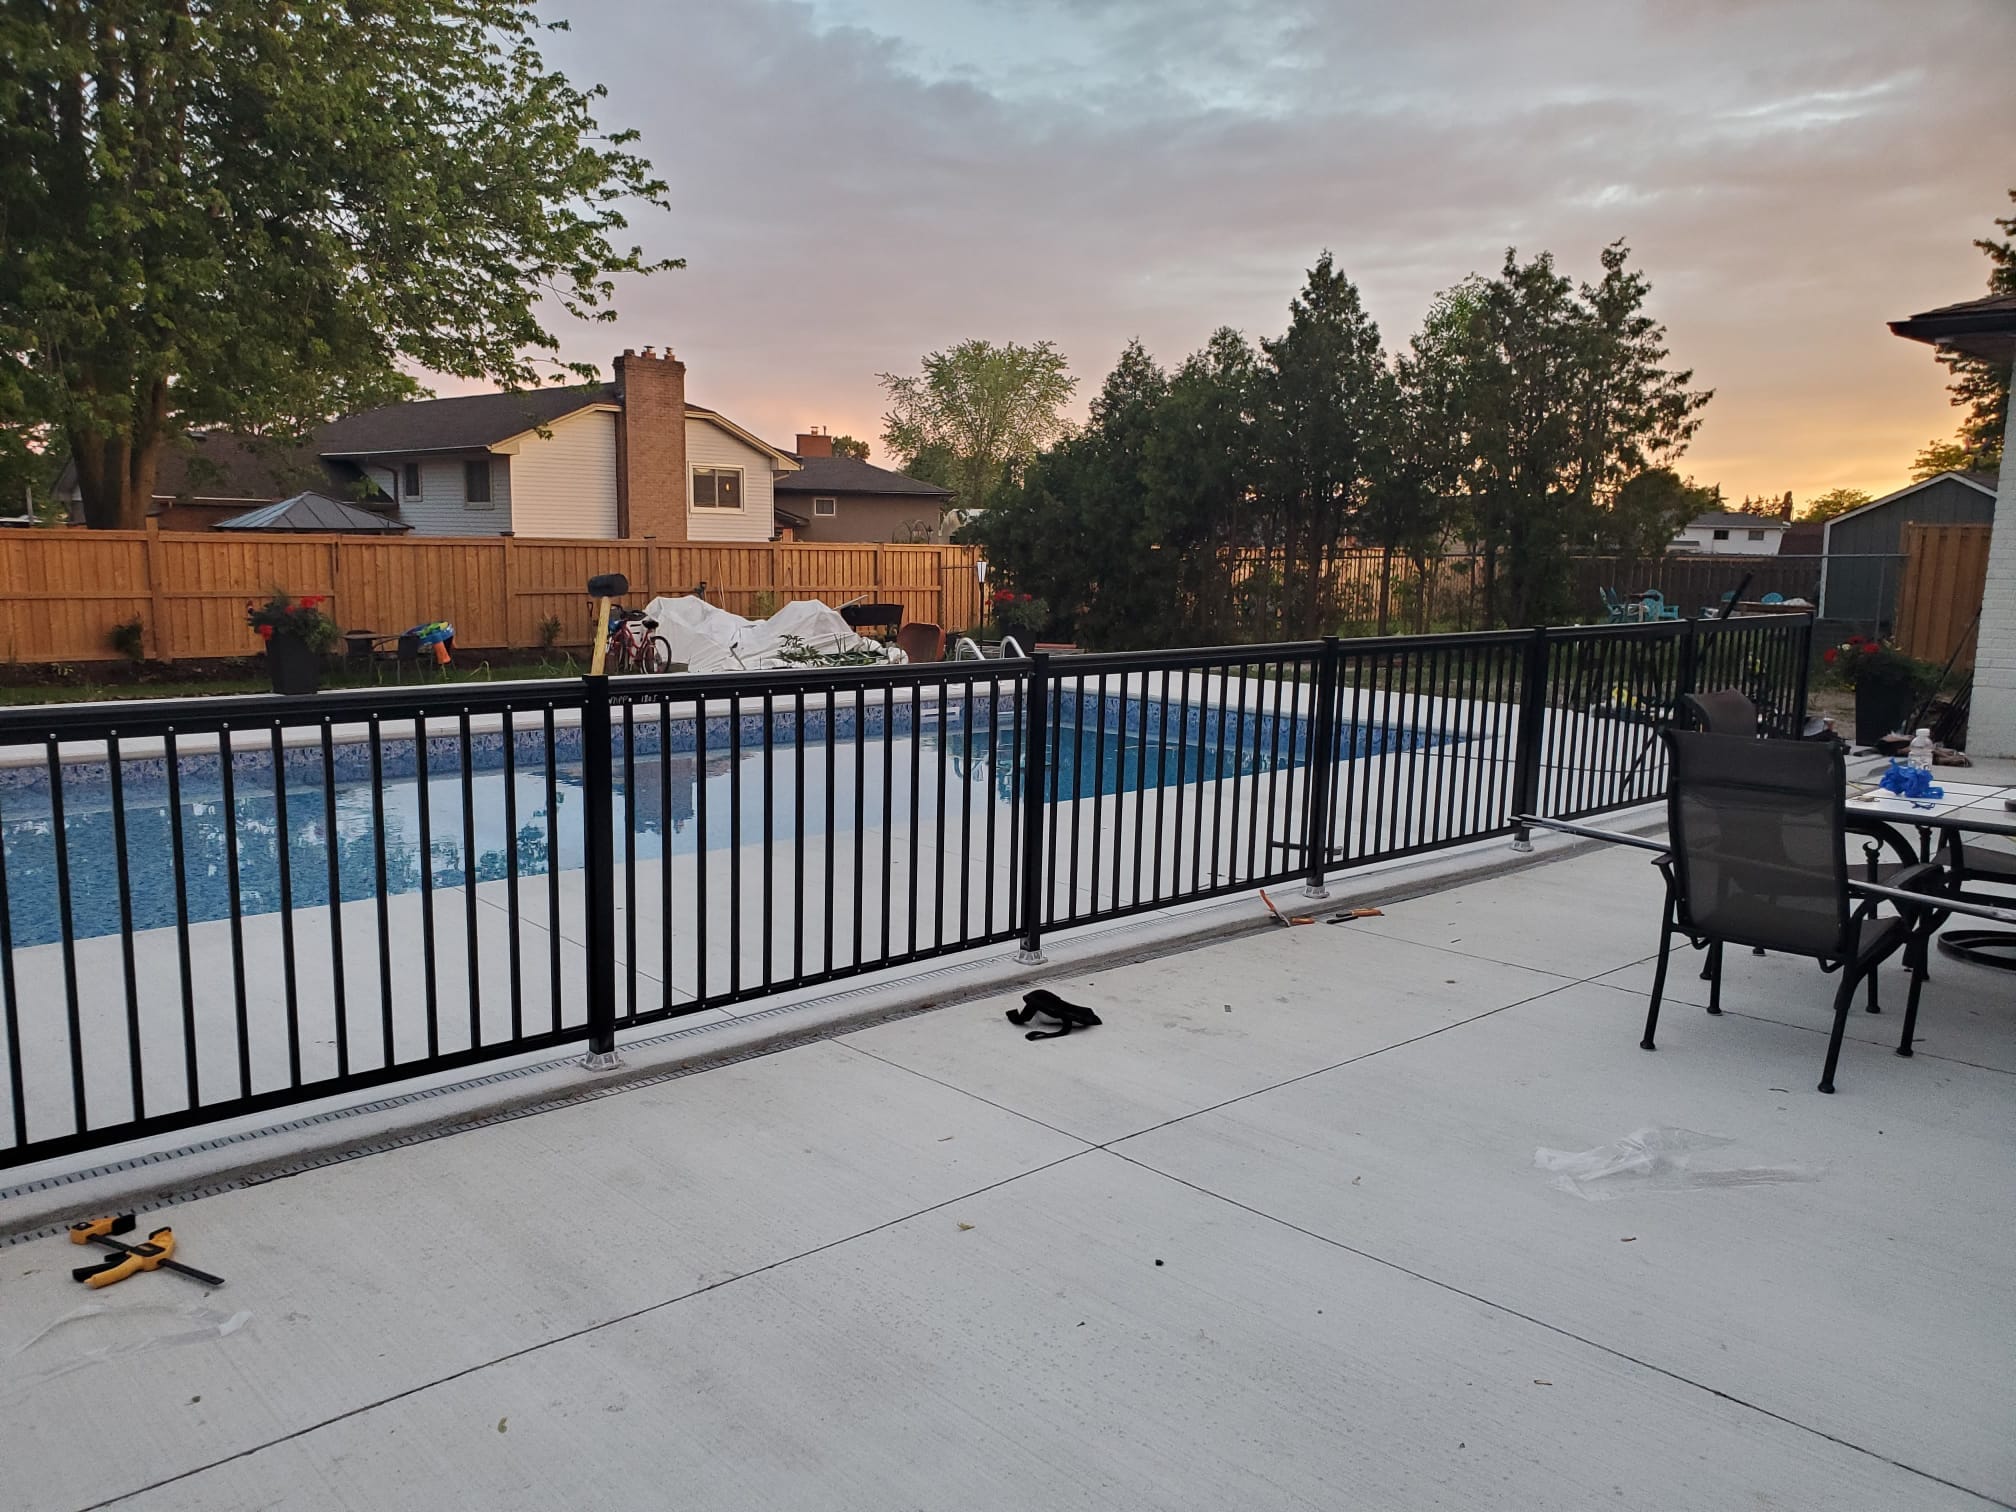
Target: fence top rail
206,715
688,687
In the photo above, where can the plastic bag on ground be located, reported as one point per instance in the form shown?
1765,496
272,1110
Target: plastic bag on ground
1659,1160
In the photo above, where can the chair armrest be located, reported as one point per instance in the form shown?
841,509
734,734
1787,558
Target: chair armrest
1935,901
1589,832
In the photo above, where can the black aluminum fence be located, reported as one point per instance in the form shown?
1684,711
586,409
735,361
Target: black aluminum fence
214,908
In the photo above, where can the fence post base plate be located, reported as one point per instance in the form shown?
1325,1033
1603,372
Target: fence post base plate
601,1060
1031,958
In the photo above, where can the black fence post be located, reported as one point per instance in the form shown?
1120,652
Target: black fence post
598,862
1035,749
1690,665
1803,673
1322,770
1532,725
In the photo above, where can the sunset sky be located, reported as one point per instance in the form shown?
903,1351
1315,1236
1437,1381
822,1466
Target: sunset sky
856,182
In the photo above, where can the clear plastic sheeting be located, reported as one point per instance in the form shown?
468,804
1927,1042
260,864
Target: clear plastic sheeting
703,637
127,1329
1660,1160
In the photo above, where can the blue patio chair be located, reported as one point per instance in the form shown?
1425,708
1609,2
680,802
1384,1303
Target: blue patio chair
1615,607
1652,605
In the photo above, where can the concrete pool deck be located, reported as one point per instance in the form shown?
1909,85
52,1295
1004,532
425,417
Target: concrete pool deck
1273,1236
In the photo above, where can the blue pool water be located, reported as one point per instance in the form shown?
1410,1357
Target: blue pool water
540,825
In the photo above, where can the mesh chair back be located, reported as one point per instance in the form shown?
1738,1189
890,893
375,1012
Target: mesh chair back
1759,842
1723,712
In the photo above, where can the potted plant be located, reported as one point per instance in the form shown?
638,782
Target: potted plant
297,635
1887,684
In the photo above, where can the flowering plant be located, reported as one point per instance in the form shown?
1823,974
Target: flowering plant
302,618
1865,662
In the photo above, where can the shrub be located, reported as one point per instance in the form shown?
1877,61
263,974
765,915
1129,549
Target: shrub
549,632
129,639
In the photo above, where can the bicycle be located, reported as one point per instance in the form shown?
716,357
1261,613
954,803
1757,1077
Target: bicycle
634,645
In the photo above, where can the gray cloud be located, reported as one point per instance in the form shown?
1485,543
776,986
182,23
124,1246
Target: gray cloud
856,182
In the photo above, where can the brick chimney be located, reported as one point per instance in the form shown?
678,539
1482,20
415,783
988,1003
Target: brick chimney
814,444
651,490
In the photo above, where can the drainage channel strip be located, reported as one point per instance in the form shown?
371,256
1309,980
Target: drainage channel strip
811,1034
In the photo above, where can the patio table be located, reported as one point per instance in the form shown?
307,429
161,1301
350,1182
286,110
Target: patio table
1966,808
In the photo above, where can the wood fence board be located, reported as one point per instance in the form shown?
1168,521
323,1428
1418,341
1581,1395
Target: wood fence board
1945,575
63,591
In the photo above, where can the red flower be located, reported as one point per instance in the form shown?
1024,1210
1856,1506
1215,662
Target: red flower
1829,655
1027,597
1870,648
1003,596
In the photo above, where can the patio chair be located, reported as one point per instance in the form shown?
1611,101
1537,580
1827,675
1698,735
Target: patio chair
1758,857
1618,611
921,641
1723,712
1652,605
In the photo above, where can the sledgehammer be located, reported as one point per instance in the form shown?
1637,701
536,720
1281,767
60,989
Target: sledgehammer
610,585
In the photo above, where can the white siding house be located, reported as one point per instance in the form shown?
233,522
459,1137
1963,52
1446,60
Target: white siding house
440,504
554,462
711,449
564,483
1730,535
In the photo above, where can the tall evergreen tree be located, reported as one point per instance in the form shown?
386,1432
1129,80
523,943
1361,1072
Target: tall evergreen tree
1325,409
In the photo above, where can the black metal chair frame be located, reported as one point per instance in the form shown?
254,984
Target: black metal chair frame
1856,961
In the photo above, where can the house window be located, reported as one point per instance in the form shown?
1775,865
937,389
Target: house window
1721,535
825,506
412,489
1756,535
476,483
717,488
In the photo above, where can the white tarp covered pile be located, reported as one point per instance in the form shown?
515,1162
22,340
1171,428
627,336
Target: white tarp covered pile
707,638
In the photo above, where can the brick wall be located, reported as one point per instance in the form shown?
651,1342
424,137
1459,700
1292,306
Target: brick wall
651,446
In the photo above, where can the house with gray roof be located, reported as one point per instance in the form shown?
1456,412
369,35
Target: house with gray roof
832,498
626,459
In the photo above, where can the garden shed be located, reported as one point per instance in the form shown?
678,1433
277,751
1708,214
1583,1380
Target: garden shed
1863,562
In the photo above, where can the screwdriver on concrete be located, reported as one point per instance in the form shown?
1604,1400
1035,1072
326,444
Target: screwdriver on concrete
100,1231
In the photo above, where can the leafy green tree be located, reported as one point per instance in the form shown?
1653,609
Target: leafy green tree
1326,404
1834,502
847,446
1650,508
249,212
1936,457
1980,385
979,412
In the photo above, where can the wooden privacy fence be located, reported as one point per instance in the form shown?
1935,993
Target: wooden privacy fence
63,591
1945,574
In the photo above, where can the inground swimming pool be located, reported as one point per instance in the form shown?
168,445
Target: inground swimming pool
891,759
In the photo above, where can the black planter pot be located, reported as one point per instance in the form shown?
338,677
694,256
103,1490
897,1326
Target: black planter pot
1881,710
293,667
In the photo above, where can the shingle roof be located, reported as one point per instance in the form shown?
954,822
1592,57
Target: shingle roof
1978,327
850,475
319,513
1734,522
466,423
